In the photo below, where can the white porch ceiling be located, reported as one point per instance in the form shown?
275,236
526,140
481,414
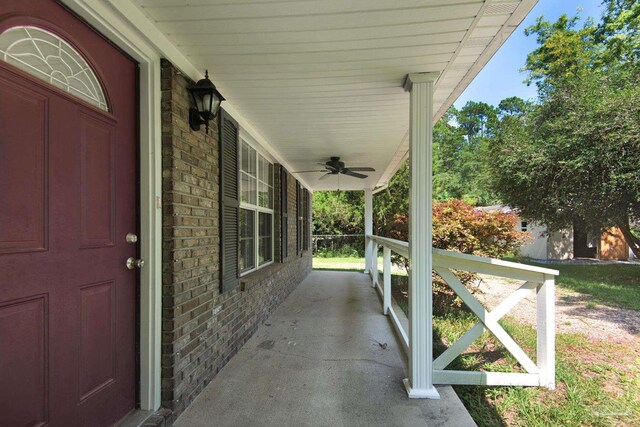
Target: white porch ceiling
321,78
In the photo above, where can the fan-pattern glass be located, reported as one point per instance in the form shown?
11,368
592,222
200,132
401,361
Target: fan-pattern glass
50,58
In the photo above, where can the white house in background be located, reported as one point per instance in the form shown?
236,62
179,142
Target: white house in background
542,245
567,244
557,245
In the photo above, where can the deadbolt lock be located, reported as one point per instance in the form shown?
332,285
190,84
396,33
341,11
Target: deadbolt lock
131,238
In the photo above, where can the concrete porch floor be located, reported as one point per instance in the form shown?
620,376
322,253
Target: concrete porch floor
317,361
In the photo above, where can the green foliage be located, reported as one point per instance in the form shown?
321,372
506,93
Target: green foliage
460,142
574,156
477,120
458,226
460,171
338,212
343,251
593,378
619,32
564,52
593,387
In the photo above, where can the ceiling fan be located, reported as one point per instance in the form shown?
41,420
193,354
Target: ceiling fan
336,167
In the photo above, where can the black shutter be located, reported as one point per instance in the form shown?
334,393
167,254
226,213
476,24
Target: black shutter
229,212
284,215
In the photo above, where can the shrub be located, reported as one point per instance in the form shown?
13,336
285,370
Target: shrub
458,226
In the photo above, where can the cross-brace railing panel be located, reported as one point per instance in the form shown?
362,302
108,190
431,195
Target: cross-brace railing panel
539,280
536,279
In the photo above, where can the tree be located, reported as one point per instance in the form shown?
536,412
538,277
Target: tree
477,120
391,201
338,212
513,107
478,123
460,141
574,156
448,142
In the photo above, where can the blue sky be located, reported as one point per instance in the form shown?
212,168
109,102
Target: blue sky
501,77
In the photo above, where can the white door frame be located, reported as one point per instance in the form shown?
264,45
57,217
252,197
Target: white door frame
103,16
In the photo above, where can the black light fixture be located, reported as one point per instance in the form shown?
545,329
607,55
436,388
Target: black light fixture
207,100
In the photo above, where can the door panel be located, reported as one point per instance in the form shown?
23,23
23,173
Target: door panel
24,169
23,361
68,176
97,339
97,192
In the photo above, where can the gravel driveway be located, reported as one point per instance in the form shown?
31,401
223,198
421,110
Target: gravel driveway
575,313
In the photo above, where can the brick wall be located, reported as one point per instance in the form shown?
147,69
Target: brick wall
202,328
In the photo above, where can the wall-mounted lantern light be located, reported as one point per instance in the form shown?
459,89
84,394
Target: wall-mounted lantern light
207,100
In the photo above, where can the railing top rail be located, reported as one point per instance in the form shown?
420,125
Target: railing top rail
397,246
496,262
402,248
381,239
337,235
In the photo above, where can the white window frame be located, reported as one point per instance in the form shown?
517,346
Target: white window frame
256,208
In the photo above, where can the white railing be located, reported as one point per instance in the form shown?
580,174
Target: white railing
540,280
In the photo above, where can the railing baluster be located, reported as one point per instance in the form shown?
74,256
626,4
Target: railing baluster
546,333
386,303
374,264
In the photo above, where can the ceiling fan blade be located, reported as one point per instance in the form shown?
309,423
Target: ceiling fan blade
362,169
325,176
317,170
354,174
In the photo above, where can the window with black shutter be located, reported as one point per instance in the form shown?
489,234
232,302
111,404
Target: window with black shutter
256,209
284,214
229,206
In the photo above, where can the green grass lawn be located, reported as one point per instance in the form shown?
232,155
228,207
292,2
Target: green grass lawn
598,384
349,264
342,263
607,284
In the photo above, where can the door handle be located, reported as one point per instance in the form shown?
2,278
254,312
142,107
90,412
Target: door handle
133,263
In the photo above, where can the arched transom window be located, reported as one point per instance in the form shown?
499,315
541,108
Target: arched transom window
50,58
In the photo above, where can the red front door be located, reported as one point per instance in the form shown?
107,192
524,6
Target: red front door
67,200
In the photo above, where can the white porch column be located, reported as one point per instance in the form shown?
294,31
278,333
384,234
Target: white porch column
420,381
368,228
